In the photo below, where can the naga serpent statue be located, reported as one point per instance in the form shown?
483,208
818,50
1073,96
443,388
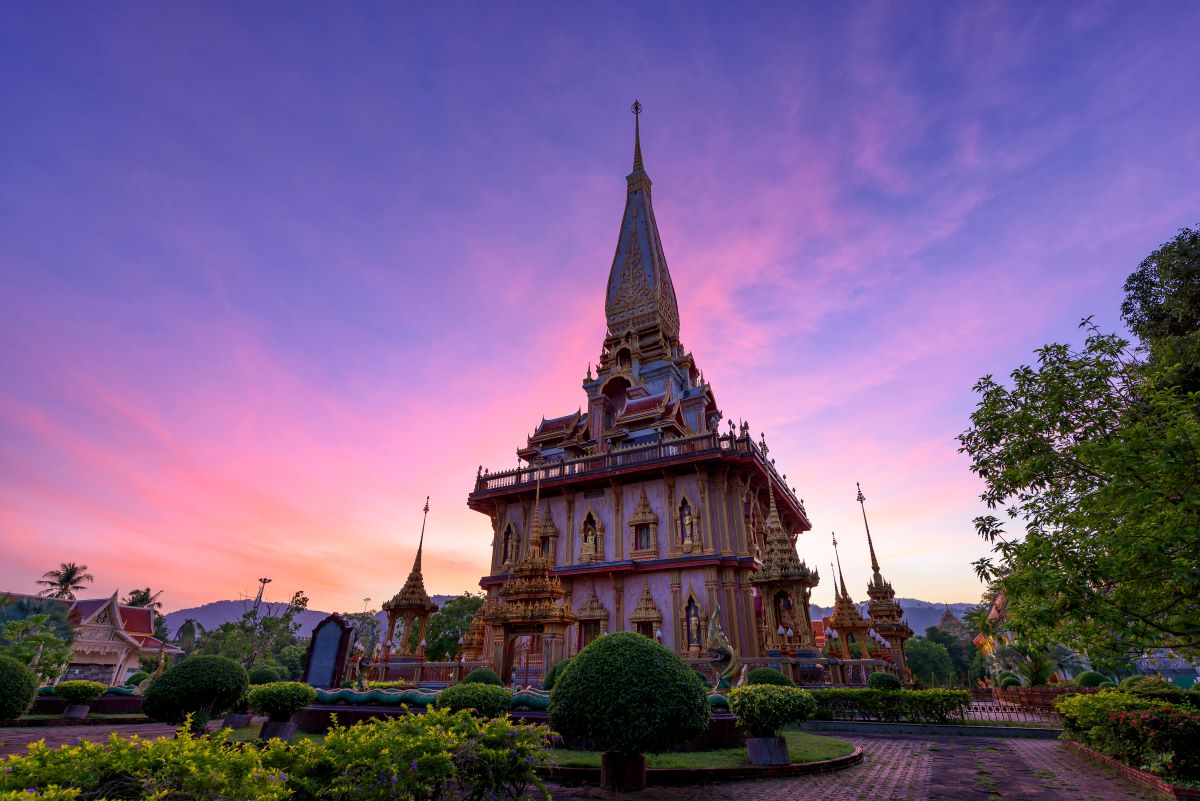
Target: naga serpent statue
724,660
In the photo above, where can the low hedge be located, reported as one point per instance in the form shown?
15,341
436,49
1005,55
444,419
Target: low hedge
18,688
882,681
280,700
486,700
892,706
482,676
438,754
1090,678
766,675
1157,689
264,675
79,692
764,709
1145,733
1083,712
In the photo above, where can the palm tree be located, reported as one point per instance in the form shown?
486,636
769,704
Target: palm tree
63,583
190,634
144,598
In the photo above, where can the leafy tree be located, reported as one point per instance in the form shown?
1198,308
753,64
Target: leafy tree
33,641
448,624
258,634
929,661
63,582
961,653
1037,667
1099,458
291,658
1162,307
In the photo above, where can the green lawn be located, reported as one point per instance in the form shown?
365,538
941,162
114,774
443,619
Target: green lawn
802,747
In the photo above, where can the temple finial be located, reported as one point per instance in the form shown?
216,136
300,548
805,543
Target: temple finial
871,545
421,541
535,527
636,108
839,567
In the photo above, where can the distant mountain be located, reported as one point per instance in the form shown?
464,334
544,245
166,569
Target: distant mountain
213,614
919,614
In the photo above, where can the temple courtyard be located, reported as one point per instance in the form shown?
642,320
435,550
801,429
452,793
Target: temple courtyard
901,768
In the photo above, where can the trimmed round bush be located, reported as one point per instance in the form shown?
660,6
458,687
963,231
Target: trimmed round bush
79,692
202,686
764,709
626,694
485,700
18,688
482,676
883,681
1009,681
553,673
264,675
1156,689
137,678
1105,685
280,700
766,675
1005,674
1089,678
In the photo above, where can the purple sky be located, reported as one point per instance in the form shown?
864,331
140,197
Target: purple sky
272,272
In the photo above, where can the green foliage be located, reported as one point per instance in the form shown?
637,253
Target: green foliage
79,691
448,624
291,659
482,676
553,673
36,633
1082,712
18,688
764,709
1007,674
255,636
486,700
264,675
1156,689
1162,739
137,678
913,706
282,699
144,597
1104,685
397,684
1089,678
883,681
961,652
1009,681
200,686
929,661
65,580
184,768
766,675
627,694
1095,453
1036,668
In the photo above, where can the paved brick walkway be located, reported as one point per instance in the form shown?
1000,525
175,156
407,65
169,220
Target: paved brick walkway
894,769
926,769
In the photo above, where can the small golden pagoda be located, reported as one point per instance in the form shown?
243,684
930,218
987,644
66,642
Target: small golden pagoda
411,608
886,614
785,584
472,649
531,605
849,624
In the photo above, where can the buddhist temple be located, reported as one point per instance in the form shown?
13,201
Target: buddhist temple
887,616
636,512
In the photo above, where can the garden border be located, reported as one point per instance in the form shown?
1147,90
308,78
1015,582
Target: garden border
661,777
130,720
1149,779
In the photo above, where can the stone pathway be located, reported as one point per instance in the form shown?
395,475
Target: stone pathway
925,769
894,769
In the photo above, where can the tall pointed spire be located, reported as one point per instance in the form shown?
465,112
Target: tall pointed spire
421,542
636,108
535,526
839,567
862,502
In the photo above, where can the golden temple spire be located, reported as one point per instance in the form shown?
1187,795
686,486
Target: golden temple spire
871,545
535,527
636,108
421,542
839,567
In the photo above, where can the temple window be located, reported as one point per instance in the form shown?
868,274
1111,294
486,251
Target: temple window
588,631
546,543
645,628
642,537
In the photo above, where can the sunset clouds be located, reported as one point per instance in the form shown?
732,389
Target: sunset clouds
270,274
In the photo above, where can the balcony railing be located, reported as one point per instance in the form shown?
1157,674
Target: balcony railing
665,451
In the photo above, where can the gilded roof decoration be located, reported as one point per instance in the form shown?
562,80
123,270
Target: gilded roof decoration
646,611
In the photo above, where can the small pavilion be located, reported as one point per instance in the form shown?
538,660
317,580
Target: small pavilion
411,608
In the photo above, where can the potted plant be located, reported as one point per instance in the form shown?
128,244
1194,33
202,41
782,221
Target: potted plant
763,710
195,690
626,695
238,716
79,695
279,701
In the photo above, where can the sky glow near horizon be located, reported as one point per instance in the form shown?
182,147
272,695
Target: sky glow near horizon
273,273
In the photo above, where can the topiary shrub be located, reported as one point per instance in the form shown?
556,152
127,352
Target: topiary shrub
766,675
628,695
764,709
18,688
1104,685
482,676
79,692
1009,681
486,700
883,681
280,700
1004,674
264,675
1158,689
202,686
1089,678
137,678
553,673
396,684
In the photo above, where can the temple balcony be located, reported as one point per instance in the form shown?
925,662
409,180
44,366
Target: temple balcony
730,448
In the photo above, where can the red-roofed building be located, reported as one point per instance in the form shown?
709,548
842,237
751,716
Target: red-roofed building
110,638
